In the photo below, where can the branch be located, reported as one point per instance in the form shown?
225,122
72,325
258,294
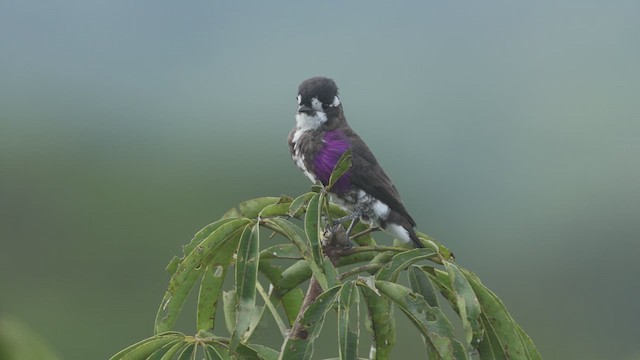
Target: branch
335,243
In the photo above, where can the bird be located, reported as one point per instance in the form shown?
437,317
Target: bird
320,137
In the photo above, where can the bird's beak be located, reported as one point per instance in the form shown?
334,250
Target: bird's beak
304,109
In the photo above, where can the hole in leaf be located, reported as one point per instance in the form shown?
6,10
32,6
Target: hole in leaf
218,271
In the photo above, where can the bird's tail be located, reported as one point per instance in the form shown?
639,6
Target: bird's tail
402,229
414,237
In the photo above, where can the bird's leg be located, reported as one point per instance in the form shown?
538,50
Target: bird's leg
351,217
353,222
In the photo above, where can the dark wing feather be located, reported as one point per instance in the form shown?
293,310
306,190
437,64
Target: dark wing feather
368,175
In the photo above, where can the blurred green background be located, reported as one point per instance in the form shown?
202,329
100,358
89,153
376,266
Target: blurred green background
510,129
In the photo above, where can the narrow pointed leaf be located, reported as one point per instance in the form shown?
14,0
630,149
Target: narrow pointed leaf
291,231
401,261
293,276
214,354
382,320
311,228
230,306
161,352
175,349
246,278
421,284
441,249
222,350
296,206
191,268
430,321
201,235
497,317
269,304
146,347
281,251
468,305
278,209
187,353
251,208
342,166
292,302
264,352
210,288
348,335
532,351
312,321
331,273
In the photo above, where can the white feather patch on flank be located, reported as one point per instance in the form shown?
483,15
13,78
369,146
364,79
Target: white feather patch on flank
380,209
299,159
335,102
399,232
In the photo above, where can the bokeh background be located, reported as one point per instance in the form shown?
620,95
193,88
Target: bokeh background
510,129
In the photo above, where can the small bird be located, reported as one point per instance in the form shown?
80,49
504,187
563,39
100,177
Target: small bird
317,142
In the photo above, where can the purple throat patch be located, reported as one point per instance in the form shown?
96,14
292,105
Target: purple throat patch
335,144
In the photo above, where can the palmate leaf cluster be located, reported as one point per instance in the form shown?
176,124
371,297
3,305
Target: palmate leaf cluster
362,288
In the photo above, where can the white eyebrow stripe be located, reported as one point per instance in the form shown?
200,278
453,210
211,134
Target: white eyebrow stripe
335,102
299,99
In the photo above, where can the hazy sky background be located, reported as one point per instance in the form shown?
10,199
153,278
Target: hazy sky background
511,130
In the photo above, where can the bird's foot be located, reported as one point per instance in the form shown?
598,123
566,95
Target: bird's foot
353,217
336,238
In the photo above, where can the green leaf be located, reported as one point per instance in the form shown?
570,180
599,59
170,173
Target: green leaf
197,239
175,349
312,321
281,251
331,273
530,347
246,278
293,276
311,227
503,332
348,336
468,305
188,353
190,269
381,317
292,232
251,208
221,350
421,284
210,288
163,351
432,243
146,347
430,321
244,352
272,309
264,352
402,261
296,206
230,306
214,354
342,166
292,302
277,209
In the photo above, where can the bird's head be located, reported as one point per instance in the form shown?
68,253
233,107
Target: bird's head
317,102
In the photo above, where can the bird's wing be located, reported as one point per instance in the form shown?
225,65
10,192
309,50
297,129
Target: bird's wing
368,175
